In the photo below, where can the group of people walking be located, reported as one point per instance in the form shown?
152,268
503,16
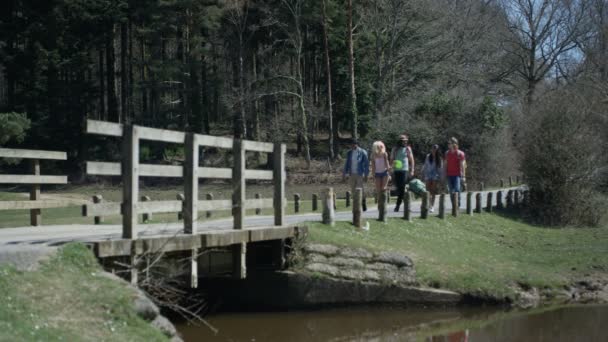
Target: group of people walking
399,165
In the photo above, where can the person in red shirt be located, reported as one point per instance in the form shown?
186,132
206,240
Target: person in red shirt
454,169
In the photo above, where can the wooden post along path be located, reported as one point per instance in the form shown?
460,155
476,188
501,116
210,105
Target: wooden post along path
455,204
407,206
315,200
296,203
382,207
424,206
328,216
357,207
478,203
489,202
469,203
441,213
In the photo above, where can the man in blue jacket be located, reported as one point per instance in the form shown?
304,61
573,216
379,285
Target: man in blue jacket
356,168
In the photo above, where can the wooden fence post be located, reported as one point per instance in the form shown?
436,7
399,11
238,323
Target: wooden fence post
130,181
315,199
478,203
455,204
296,203
526,201
510,180
335,200
328,215
469,203
441,213
489,202
424,207
208,197
499,200
181,197
278,176
347,199
407,205
502,183
145,217
357,204
191,163
382,207
481,186
258,211
510,199
35,214
516,198
97,199
239,251
238,183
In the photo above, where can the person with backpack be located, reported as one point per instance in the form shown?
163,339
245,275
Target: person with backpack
356,169
454,167
432,172
402,160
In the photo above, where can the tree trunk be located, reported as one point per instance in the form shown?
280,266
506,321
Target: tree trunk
351,68
124,80
328,76
113,114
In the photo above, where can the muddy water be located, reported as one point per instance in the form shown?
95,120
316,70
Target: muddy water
573,323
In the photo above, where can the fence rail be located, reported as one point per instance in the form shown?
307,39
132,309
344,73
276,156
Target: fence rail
35,179
131,170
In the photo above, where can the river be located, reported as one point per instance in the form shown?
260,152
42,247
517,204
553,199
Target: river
569,323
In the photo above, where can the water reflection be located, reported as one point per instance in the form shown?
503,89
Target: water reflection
580,323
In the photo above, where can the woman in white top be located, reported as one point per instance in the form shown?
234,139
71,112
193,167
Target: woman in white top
380,166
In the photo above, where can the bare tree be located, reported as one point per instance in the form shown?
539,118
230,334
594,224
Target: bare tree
541,33
328,75
351,68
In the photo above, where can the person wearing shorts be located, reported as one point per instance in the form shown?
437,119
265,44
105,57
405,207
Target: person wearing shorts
380,167
454,167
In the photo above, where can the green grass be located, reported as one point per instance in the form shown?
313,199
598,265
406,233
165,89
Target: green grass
67,299
485,254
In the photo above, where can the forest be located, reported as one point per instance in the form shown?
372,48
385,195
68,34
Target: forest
523,84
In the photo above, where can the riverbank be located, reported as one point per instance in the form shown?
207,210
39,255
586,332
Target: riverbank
488,257
67,296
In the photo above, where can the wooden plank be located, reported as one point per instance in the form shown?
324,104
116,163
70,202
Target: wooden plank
213,141
103,168
32,154
224,238
159,207
170,243
259,174
214,205
110,248
151,170
32,179
157,134
258,146
104,128
130,181
261,203
191,183
238,184
38,204
101,209
215,172
145,170
279,183
270,233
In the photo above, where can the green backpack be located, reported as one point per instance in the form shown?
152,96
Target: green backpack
417,186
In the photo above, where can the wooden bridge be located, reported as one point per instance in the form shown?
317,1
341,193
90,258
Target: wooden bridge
189,238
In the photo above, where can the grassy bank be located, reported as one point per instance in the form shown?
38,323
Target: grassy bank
486,255
67,299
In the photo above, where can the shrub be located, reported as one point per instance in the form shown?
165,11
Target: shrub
561,159
13,126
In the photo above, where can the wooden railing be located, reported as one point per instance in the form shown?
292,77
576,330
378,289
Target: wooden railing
35,179
130,169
